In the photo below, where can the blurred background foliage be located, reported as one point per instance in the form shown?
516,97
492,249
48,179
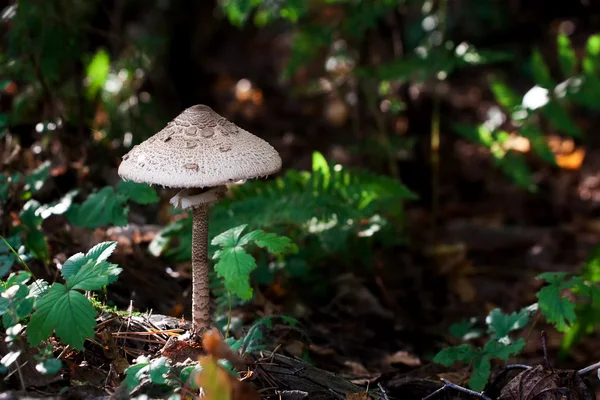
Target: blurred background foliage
369,103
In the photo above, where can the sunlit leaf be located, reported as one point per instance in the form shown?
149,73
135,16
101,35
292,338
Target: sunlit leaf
566,55
97,71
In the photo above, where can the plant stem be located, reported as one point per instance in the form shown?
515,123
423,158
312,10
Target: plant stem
200,287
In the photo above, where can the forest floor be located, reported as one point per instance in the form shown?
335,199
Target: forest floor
481,248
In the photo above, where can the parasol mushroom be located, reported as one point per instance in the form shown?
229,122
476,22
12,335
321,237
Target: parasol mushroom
200,152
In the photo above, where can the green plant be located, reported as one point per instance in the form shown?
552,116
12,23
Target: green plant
161,371
108,206
62,308
328,210
59,308
498,346
547,100
574,315
234,264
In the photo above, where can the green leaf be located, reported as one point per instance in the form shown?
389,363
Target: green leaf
6,263
140,193
105,207
482,367
93,276
593,45
73,265
35,181
566,55
275,244
503,351
448,356
556,307
504,95
465,330
101,251
158,370
29,216
35,241
500,324
560,119
67,312
49,367
237,11
229,238
541,72
135,373
20,306
97,72
235,266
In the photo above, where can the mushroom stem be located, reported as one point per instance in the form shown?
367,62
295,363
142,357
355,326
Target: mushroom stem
200,287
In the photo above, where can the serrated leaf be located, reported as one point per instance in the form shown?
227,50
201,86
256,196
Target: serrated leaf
482,367
38,288
93,276
67,312
229,238
556,307
140,193
73,265
275,244
503,351
235,266
566,55
450,355
101,251
500,324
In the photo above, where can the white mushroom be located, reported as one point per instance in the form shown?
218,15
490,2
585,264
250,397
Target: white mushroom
199,149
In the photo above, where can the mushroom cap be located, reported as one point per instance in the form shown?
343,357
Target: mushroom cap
199,148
